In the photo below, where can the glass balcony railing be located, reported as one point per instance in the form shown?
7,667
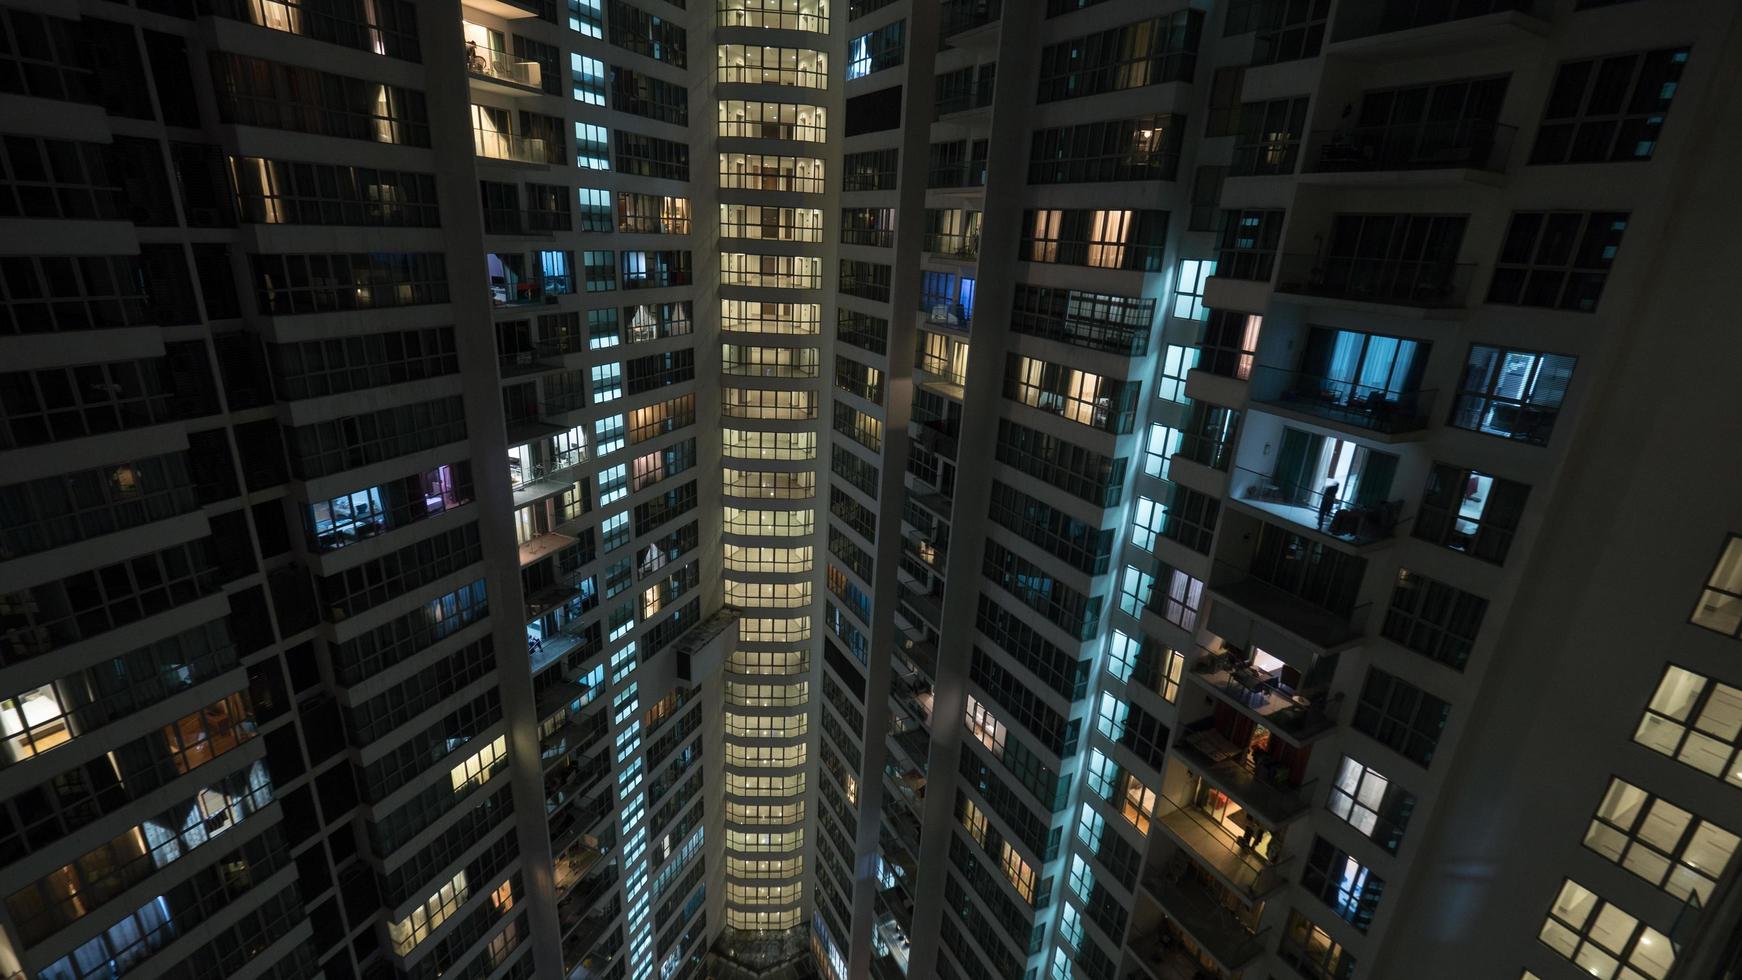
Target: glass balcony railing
506,146
1427,284
1471,144
1244,869
1388,410
1370,17
956,16
1349,520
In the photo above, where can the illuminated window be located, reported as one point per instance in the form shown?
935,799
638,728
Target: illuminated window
985,727
477,769
1660,842
1601,939
1695,720
1136,803
974,819
426,918
1188,288
1720,605
1017,871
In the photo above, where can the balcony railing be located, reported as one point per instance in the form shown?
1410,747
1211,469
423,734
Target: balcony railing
957,16
1471,144
1429,285
962,246
1387,410
1217,454
500,66
514,221
1249,873
506,146
1315,608
969,174
1387,16
1261,784
1294,714
1356,523
1203,916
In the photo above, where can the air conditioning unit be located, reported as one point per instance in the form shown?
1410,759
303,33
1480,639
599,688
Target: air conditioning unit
204,217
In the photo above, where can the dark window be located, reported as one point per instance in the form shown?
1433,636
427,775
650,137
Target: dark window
1400,716
1557,259
1610,108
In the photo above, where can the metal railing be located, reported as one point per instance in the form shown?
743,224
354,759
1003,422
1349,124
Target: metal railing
961,245
1251,873
1357,523
1475,144
1264,694
956,16
503,67
516,221
1428,284
1387,410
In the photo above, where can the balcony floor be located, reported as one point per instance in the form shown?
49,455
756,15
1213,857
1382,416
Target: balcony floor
543,546
1207,921
1272,804
1212,847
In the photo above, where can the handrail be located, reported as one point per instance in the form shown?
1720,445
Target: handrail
1387,410
503,67
1357,523
1368,20
1255,875
1430,284
1474,144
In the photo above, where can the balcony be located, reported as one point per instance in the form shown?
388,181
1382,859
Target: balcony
491,145
918,651
1250,875
1203,917
1463,145
961,16
1404,28
541,546
926,605
1298,717
1318,627
965,247
1369,409
517,221
1347,521
575,862
498,71
932,435
1420,285
1253,778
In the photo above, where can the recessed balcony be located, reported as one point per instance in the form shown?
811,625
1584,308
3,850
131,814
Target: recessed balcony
1247,872
1412,28
1355,519
1413,153
1260,695
1429,284
1201,913
1364,409
500,72
492,145
1251,769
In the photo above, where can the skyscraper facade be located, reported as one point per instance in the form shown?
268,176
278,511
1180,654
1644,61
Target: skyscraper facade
1046,490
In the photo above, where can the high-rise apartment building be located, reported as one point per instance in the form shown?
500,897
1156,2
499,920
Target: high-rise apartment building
1253,529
